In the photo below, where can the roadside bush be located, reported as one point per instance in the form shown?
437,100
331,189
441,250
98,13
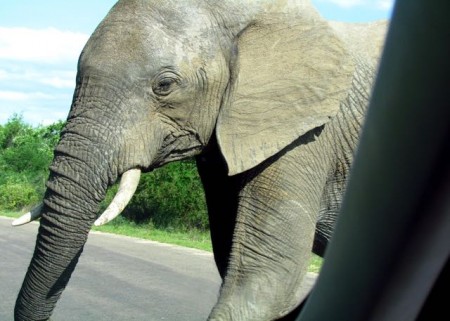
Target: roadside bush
25,154
170,197
16,194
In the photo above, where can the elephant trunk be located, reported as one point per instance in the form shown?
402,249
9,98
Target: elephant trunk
70,207
92,153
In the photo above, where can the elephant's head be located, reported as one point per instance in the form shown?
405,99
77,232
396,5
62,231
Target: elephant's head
155,81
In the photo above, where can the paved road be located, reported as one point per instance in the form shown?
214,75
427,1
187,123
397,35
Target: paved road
118,278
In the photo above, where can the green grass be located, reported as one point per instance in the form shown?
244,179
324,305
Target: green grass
192,239
9,213
315,264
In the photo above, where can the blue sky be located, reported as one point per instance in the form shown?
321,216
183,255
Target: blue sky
40,41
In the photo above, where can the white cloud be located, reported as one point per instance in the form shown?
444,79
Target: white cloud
40,45
375,4
35,115
385,4
50,77
347,3
11,95
61,81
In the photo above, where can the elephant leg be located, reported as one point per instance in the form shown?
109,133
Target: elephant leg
342,135
275,227
330,207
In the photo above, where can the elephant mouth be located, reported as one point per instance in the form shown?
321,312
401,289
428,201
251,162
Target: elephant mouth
127,187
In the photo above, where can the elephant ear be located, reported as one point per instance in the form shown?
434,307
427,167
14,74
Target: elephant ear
286,79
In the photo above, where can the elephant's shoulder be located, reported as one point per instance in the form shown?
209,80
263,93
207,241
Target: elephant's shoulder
364,40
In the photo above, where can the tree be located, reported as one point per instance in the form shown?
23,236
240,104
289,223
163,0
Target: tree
25,155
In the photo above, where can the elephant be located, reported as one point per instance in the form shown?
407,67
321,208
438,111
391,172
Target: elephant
266,95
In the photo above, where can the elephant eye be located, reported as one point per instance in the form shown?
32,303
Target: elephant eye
164,86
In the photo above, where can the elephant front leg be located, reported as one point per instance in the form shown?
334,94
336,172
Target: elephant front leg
272,242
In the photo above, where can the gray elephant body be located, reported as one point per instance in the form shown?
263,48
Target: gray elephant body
304,185
270,100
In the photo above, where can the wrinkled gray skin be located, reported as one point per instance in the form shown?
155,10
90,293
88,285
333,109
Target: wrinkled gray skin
265,94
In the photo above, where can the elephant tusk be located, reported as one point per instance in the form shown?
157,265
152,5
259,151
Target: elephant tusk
127,187
30,216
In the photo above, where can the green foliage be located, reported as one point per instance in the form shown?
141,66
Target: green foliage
193,238
25,154
17,192
170,197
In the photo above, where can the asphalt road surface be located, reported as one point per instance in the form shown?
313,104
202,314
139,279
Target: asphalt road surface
118,278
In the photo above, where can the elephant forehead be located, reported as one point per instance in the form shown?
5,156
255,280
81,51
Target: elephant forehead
145,46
